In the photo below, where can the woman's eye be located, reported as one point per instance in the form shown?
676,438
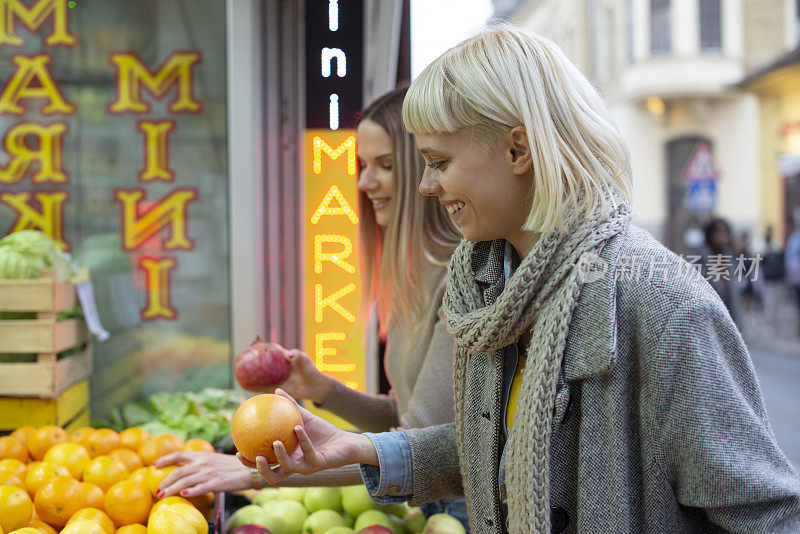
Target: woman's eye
436,164
386,166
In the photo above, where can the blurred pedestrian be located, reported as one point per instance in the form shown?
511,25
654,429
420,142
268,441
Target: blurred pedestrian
792,259
718,266
750,273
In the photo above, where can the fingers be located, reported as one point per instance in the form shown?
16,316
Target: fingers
273,475
282,393
245,461
175,458
184,485
309,452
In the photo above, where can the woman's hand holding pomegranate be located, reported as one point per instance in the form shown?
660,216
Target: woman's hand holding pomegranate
304,380
322,446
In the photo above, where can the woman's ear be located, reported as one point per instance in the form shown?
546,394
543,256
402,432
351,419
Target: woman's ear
519,151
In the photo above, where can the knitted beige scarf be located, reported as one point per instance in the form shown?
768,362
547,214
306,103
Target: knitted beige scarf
540,296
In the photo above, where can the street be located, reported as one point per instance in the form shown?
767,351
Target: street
778,368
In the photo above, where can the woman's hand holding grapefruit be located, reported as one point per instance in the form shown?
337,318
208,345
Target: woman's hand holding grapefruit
321,446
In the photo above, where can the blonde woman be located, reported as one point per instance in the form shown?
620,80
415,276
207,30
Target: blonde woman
406,241
600,384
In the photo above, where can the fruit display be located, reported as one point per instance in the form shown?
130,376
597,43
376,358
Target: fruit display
93,481
204,415
261,366
332,510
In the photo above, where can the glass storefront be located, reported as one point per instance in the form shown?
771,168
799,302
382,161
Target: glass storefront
113,118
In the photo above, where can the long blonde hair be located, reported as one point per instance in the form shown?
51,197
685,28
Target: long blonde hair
419,232
502,78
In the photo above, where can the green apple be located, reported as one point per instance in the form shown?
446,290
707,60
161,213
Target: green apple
322,499
398,527
348,519
415,521
400,509
341,530
292,512
292,494
322,521
275,524
356,500
252,513
372,517
265,495
443,524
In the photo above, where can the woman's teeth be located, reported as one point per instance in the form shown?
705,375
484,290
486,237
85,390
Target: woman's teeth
454,207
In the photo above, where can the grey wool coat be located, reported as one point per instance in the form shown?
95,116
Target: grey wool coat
659,422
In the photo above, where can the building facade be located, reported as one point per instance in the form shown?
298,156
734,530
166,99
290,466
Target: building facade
669,71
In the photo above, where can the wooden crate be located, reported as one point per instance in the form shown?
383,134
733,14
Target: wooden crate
44,336
69,409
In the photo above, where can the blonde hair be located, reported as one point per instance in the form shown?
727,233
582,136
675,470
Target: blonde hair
503,78
419,231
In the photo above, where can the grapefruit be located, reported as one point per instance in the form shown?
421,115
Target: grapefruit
262,420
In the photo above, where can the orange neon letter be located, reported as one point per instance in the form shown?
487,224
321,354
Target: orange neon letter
320,351
156,164
320,302
33,18
169,211
47,154
336,258
158,288
22,86
324,207
132,76
49,218
321,147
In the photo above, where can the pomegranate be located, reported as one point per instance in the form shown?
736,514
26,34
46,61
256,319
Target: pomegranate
262,366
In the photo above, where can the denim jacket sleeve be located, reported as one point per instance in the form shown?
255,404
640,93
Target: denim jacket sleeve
390,481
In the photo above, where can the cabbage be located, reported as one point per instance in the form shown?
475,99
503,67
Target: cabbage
23,254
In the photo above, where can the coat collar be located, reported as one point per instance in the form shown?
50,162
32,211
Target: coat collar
592,339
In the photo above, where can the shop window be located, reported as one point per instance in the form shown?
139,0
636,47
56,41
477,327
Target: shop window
660,27
710,25
116,112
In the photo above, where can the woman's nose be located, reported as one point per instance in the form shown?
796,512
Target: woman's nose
366,182
429,186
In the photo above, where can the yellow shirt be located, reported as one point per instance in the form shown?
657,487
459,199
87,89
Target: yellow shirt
513,394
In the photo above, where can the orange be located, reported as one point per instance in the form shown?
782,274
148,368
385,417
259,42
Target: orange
127,502
15,466
105,471
58,499
81,435
39,473
139,476
42,527
261,420
168,521
102,441
154,448
96,516
127,457
13,448
43,438
71,455
197,445
24,530
7,478
136,528
16,506
132,438
22,434
155,476
83,526
94,495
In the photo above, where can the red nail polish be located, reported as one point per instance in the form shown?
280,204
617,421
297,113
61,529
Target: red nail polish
160,494
184,492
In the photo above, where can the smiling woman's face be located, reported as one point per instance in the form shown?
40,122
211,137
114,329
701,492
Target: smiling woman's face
376,164
478,186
